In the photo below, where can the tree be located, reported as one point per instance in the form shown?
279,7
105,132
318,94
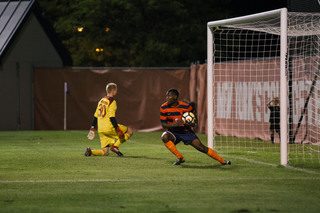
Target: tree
134,33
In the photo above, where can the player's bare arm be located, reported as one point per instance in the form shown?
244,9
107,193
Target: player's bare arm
176,124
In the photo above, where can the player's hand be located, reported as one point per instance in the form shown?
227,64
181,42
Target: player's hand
192,123
180,123
91,134
120,133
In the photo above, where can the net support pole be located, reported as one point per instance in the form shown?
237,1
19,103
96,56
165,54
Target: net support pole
283,89
65,106
210,86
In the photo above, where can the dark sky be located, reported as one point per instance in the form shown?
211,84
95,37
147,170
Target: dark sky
248,7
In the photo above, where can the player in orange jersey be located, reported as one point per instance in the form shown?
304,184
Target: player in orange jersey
176,130
110,132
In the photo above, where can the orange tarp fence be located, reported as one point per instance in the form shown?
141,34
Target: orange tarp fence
140,94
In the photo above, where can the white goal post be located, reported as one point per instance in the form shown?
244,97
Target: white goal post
276,22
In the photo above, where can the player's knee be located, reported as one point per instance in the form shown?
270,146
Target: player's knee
105,151
129,132
165,137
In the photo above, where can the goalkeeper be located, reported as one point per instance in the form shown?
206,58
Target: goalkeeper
176,130
111,134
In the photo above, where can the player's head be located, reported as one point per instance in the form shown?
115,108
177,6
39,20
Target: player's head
276,100
172,96
173,92
111,89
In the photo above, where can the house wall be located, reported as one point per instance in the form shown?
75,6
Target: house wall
30,48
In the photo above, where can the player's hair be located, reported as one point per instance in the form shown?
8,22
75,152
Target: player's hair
110,87
276,100
173,91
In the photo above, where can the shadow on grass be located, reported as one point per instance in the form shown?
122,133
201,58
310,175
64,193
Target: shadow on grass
218,166
144,157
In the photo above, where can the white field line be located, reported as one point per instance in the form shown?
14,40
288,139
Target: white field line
162,180
275,165
69,181
254,161
313,149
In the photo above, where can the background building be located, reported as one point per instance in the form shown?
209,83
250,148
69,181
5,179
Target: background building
26,41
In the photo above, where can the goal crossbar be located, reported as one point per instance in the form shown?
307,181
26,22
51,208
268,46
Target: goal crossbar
243,19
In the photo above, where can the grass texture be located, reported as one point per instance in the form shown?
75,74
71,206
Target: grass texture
46,171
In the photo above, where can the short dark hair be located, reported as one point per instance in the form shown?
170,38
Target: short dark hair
173,91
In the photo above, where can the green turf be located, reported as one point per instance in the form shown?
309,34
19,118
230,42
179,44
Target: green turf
46,171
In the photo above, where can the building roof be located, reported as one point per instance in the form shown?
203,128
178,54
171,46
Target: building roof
12,16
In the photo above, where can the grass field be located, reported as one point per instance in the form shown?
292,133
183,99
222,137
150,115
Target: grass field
46,171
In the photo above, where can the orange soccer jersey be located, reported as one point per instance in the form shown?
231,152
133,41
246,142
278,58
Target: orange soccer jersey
171,114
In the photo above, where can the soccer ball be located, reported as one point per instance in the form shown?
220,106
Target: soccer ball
188,117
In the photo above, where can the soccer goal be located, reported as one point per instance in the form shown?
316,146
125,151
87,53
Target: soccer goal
252,60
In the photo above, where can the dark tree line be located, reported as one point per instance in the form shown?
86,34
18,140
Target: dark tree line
136,33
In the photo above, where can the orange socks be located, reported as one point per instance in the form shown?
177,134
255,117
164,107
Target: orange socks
170,145
214,155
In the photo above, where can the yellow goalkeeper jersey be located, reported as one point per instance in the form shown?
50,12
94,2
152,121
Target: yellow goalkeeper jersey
106,108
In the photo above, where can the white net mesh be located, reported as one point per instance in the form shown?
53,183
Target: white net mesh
247,76
299,24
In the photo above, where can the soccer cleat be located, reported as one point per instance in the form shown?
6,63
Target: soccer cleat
116,150
179,161
226,162
88,152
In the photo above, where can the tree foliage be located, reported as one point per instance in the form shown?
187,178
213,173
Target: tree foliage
140,33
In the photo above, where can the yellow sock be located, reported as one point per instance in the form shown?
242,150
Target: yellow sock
170,145
126,137
118,143
97,152
214,155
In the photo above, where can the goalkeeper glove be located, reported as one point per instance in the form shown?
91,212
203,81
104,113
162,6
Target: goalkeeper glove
120,133
91,133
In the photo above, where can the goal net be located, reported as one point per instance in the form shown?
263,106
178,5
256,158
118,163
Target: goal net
252,61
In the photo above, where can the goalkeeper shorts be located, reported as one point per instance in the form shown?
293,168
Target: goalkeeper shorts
109,138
